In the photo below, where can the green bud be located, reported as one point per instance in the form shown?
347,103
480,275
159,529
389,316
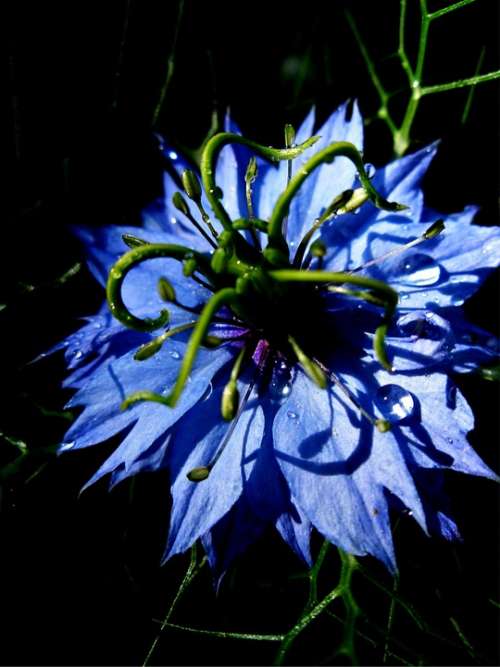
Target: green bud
318,248
251,172
230,401
149,349
435,229
133,241
337,203
166,290
219,260
189,266
191,185
289,135
180,203
198,474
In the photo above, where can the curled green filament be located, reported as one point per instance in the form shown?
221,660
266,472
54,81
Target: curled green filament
211,153
133,258
337,149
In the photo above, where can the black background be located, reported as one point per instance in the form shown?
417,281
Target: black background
80,580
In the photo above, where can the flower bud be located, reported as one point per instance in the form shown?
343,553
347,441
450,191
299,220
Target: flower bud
180,203
230,401
191,185
166,290
133,241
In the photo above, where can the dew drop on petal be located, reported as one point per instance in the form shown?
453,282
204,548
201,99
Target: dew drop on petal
292,415
175,355
280,384
394,402
173,221
172,155
418,269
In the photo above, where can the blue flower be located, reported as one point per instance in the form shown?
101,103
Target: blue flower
336,392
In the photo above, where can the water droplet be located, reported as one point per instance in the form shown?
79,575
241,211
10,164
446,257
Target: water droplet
67,445
280,384
172,155
394,402
291,415
404,297
418,269
78,354
173,221
450,440
175,355
424,324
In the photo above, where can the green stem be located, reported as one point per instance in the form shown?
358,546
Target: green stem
209,160
226,635
170,65
127,262
339,148
462,83
405,63
191,572
451,8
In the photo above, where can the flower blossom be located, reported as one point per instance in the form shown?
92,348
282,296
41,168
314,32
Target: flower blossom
300,374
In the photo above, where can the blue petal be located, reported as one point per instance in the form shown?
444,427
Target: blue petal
295,529
199,506
114,380
323,450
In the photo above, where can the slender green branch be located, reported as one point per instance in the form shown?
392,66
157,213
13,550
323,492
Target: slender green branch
225,635
470,95
383,111
191,572
170,65
405,63
461,83
451,8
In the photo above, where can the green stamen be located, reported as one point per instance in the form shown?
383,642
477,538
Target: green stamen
311,368
230,396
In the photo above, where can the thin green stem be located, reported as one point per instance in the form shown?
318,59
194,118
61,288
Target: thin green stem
451,8
383,112
191,572
170,65
470,95
131,259
211,153
422,42
405,63
390,621
339,148
225,635
343,590
461,83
